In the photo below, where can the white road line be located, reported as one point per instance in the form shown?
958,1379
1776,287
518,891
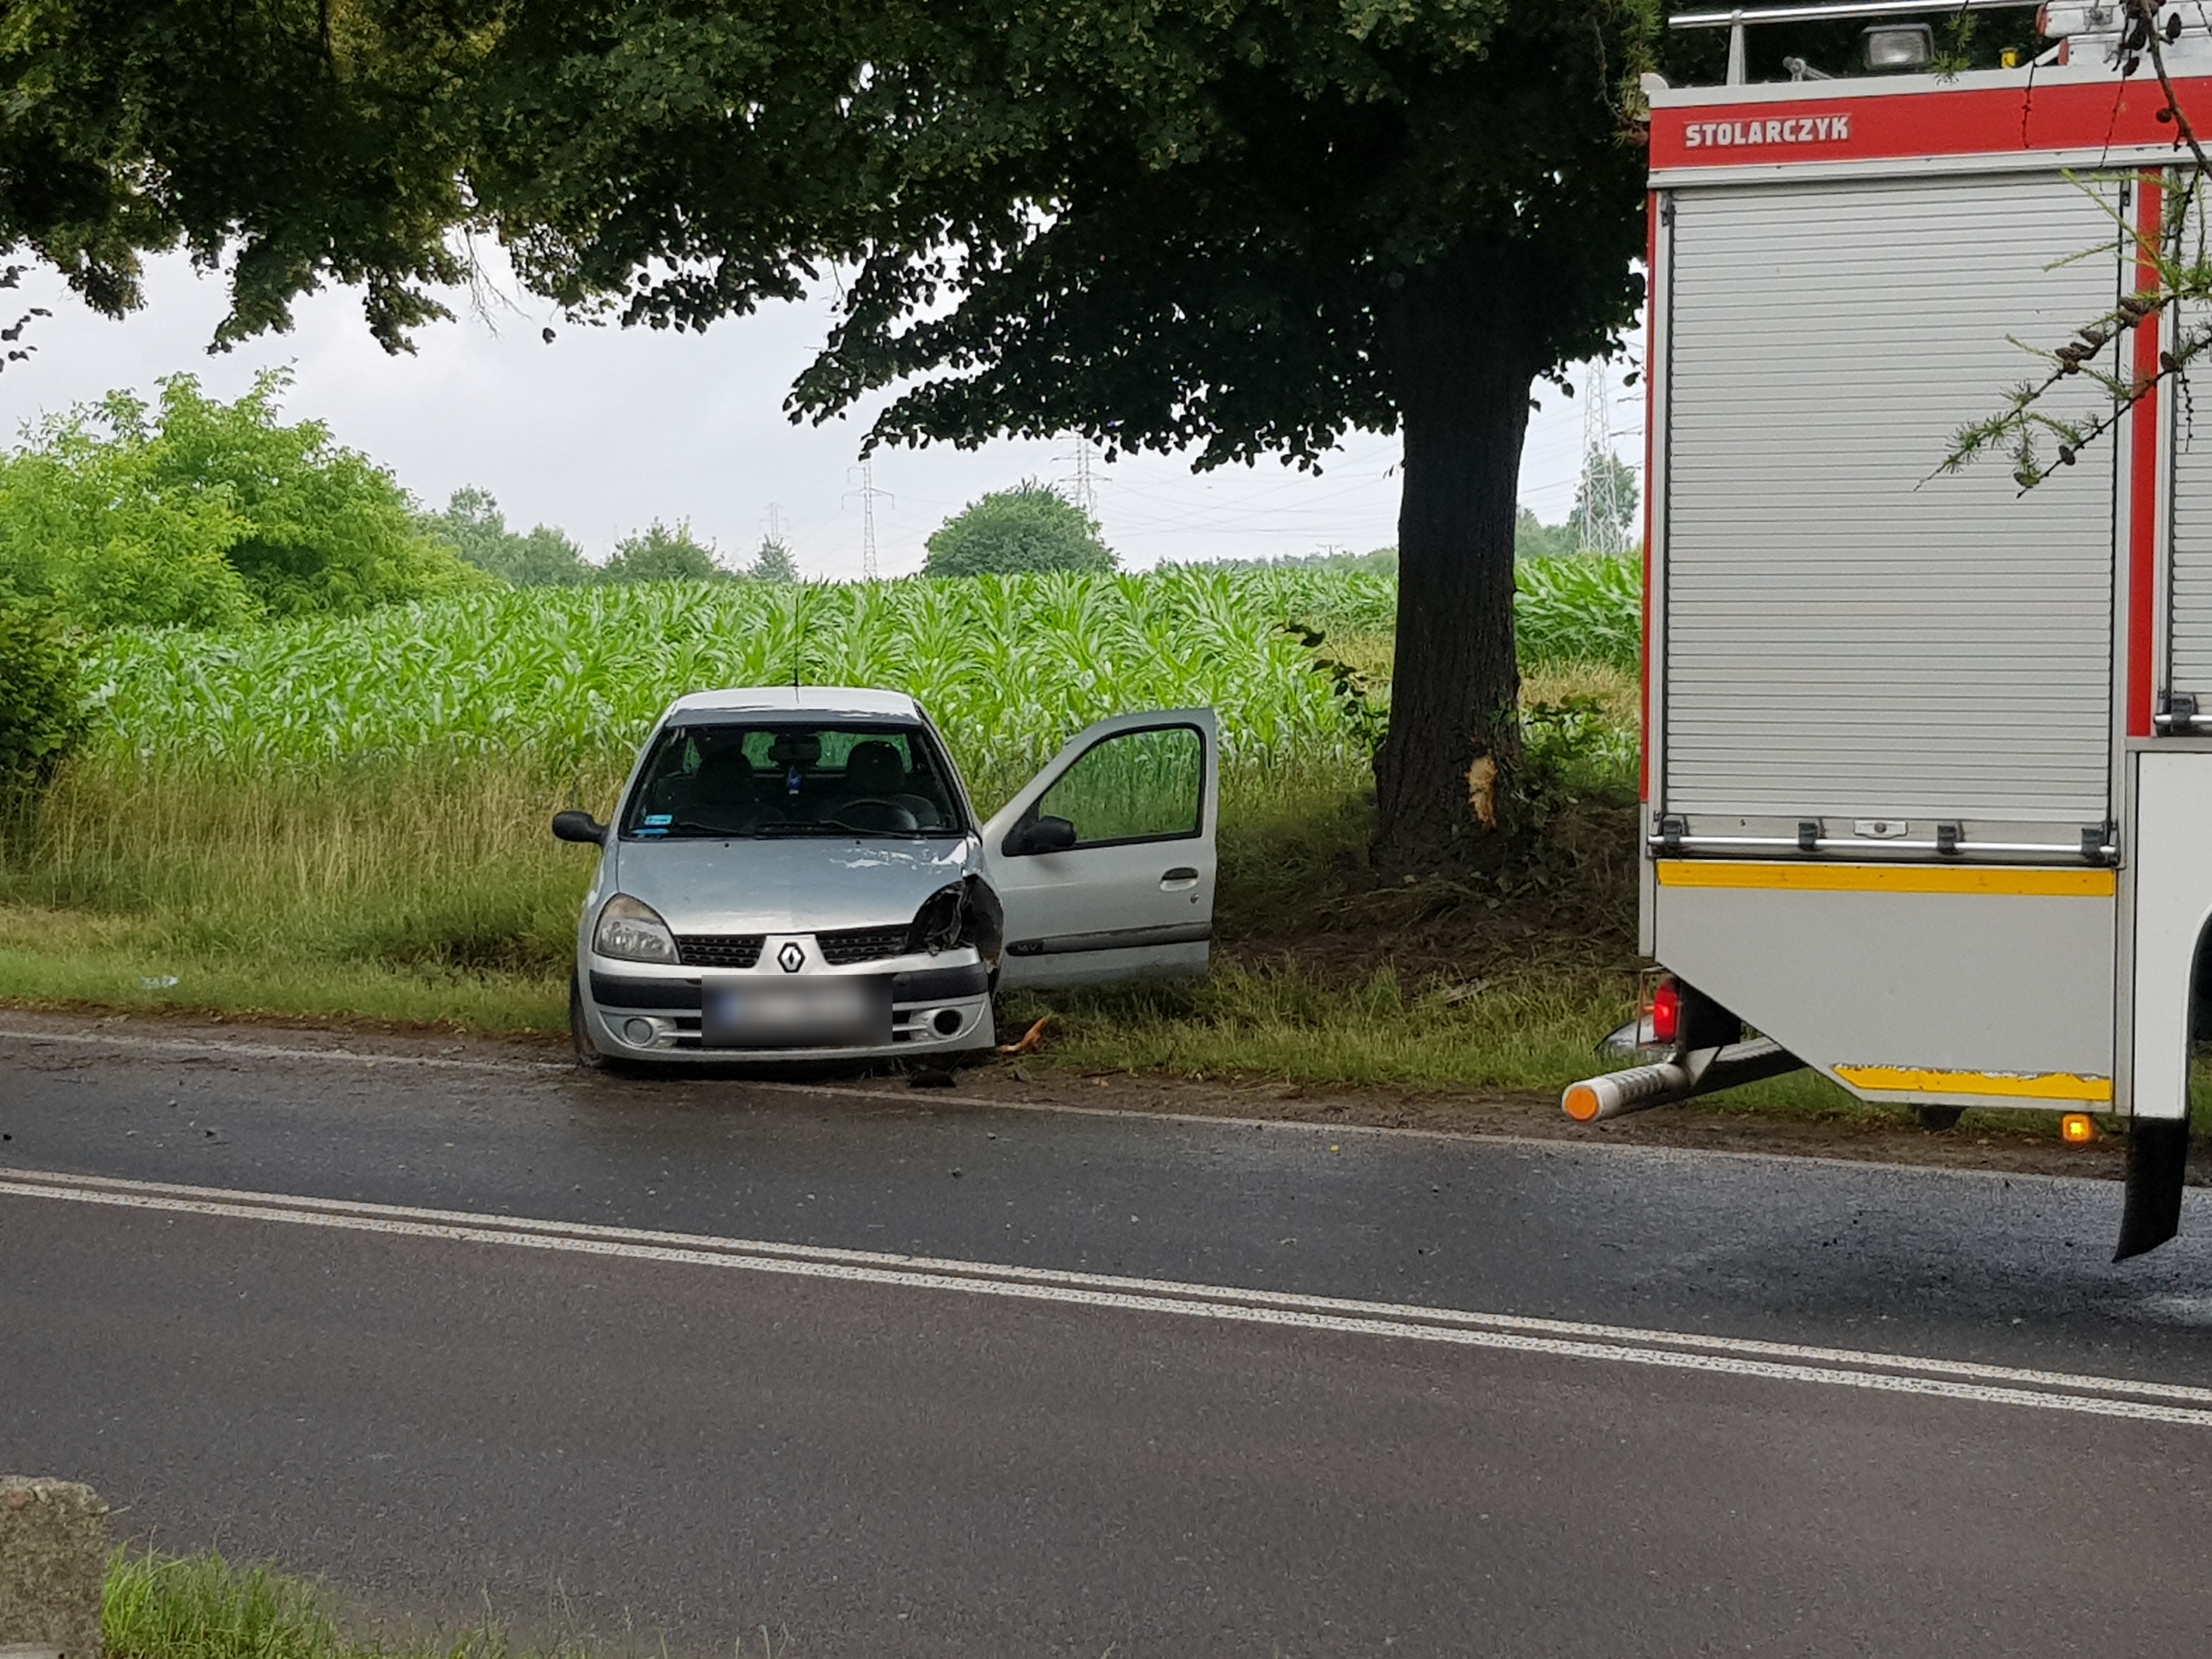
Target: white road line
906,1263
2101,1396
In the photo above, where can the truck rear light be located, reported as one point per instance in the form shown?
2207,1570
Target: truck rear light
1667,1012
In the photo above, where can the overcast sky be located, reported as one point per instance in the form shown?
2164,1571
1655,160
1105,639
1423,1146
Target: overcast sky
607,430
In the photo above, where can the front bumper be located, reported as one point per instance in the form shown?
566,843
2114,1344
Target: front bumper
635,1013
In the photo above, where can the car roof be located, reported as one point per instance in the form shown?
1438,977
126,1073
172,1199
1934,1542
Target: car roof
795,700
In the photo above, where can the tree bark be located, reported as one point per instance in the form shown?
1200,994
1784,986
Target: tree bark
1446,776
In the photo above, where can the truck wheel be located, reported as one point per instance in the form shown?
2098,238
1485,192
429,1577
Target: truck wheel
587,1052
1936,1118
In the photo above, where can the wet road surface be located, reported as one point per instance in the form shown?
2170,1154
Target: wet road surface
788,1428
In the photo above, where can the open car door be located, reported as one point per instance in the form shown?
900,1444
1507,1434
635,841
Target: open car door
1105,861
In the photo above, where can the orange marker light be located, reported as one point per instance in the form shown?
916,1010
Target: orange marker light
2077,1128
1581,1103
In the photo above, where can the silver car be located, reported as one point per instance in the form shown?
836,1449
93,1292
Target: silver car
796,874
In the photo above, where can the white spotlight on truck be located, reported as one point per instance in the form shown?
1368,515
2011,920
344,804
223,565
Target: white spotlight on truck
1899,46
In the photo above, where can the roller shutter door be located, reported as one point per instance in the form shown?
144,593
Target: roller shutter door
2190,621
1846,636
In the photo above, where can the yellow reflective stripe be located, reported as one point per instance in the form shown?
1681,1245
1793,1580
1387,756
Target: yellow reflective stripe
2012,1086
1891,879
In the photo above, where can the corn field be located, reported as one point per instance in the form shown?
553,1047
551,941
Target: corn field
1587,608
568,680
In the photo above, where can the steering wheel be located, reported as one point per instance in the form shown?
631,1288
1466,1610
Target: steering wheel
896,817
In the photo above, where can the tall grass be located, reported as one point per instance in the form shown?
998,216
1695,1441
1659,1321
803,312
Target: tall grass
408,893
1528,1033
203,1606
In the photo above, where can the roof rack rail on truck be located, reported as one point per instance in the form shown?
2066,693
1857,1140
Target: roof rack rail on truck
1927,758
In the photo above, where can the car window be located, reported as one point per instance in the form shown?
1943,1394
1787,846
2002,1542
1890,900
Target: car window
1134,785
769,778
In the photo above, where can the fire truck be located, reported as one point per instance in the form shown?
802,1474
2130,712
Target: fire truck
1928,756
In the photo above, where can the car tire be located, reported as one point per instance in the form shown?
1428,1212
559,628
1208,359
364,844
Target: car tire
587,1052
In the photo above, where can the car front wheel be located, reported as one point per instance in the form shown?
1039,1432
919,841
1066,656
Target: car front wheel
587,1052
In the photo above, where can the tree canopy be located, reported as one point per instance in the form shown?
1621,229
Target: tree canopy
1237,229
193,511
1030,527
1535,539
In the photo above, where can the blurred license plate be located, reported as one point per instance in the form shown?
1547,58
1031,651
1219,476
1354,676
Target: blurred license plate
833,1011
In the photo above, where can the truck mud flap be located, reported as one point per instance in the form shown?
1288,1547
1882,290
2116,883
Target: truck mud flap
2158,1164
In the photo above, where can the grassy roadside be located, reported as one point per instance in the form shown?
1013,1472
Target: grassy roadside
428,896
204,1607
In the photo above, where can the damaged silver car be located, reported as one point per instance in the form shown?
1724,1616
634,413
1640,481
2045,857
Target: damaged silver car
796,873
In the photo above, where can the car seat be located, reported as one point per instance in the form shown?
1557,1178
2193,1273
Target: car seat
722,789
875,771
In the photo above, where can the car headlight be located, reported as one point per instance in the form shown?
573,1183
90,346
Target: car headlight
633,930
938,925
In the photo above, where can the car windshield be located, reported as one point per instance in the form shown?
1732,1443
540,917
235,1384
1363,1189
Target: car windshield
782,778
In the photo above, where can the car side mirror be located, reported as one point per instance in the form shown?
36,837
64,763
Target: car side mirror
573,825
1044,834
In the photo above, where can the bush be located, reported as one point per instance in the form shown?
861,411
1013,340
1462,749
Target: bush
207,514
662,554
41,700
1010,531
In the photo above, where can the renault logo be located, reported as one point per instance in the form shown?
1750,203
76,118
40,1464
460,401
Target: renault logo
792,957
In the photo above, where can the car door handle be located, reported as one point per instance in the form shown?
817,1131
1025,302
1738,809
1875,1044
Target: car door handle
1176,879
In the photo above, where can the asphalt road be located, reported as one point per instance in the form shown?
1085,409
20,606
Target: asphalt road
552,1403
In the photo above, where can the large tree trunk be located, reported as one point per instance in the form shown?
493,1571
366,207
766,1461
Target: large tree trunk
1446,776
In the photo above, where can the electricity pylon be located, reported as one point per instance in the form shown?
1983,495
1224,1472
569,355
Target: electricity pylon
867,492
1600,514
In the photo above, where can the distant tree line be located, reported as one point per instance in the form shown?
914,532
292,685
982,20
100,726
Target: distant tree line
474,527
1532,539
